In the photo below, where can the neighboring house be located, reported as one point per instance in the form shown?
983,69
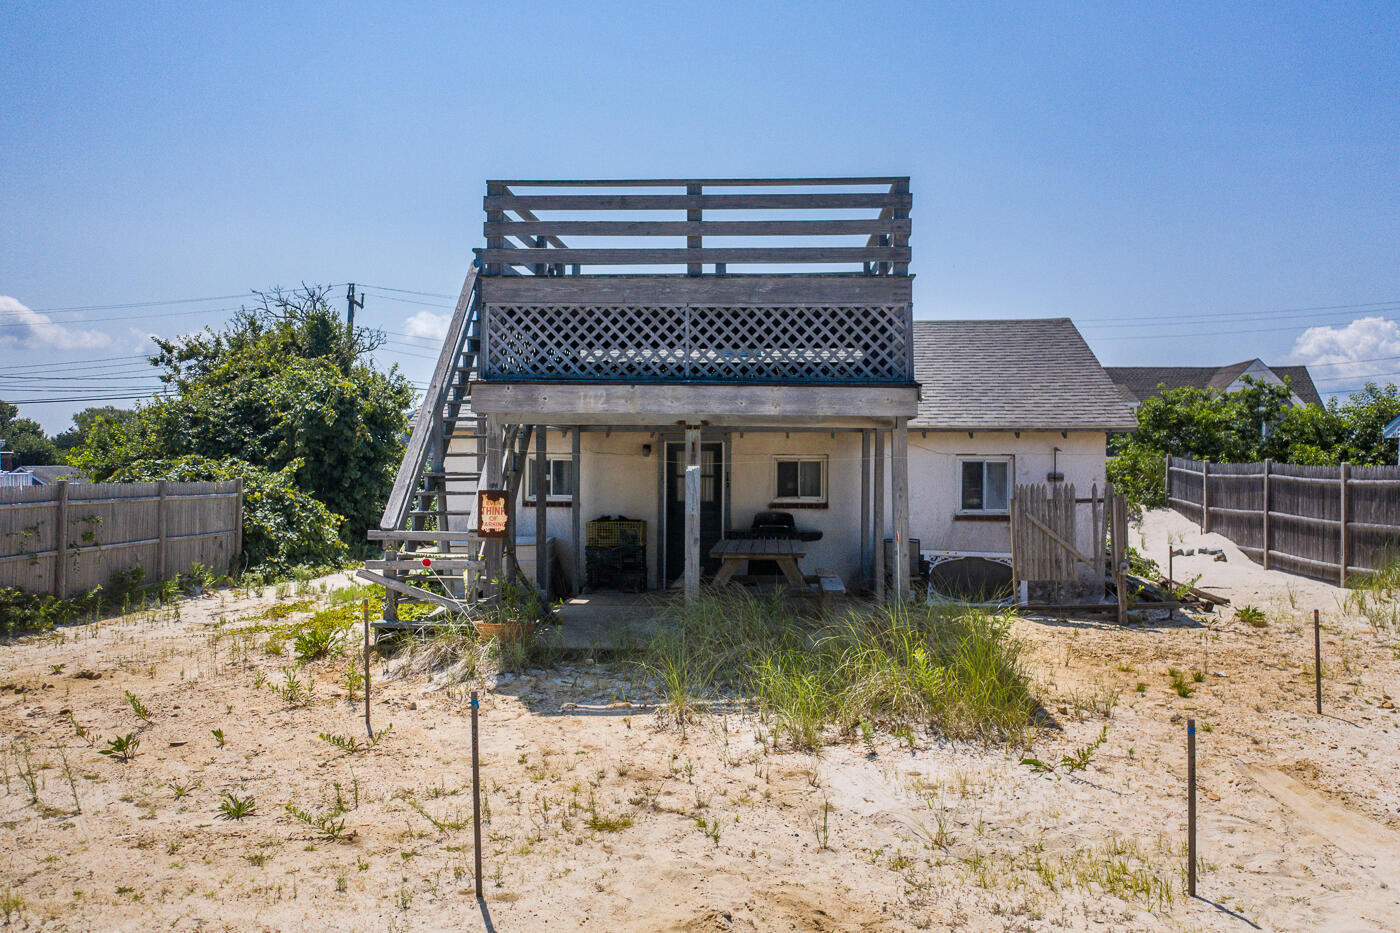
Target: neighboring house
1392,432
695,402
48,475
1138,383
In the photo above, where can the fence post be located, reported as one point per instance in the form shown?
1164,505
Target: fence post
1205,498
238,523
1167,481
1191,807
1343,474
1268,467
60,541
161,518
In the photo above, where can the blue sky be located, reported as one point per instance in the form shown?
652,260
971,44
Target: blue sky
1165,175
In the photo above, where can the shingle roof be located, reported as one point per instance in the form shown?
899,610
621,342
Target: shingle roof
1017,374
1141,382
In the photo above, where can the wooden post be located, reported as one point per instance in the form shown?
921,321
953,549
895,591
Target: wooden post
1205,498
878,516
541,510
237,522
1268,468
476,794
694,242
162,518
692,513
899,494
1167,481
1120,554
577,511
1317,659
865,504
1343,476
60,539
1191,807
493,551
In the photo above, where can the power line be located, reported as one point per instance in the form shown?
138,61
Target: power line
1227,315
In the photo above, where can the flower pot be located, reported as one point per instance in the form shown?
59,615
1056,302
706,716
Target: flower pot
505,632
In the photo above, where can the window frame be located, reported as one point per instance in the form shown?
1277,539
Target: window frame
528,486
984,459
799,459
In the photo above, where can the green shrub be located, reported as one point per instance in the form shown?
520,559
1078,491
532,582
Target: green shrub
284,528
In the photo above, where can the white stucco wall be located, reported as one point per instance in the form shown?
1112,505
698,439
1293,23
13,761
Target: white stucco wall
617,478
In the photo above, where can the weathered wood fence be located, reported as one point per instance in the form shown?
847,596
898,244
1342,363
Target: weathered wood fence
1320,521
67,538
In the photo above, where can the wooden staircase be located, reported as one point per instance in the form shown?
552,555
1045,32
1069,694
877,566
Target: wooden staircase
428,529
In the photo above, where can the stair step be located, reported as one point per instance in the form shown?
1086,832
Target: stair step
423,513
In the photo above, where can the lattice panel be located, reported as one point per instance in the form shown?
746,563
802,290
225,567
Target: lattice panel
846,344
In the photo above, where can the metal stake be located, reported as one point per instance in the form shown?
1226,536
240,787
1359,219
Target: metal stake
476,795
1317,659
1191,807
368,729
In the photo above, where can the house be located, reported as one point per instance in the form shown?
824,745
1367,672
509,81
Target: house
700,403
1142,382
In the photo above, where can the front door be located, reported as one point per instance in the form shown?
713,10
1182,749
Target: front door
711,506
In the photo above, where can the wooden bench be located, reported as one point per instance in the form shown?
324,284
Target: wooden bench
829,585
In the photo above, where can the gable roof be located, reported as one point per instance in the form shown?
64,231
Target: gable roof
1035,374
1142,382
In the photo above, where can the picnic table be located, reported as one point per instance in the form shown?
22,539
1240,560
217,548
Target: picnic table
735,552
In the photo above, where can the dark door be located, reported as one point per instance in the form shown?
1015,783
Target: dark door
711,506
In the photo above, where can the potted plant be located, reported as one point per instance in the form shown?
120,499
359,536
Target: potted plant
512,615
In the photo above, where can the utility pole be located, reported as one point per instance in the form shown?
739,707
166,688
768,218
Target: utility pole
351,303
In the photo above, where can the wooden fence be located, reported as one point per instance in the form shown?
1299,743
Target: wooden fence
67,538
1320,521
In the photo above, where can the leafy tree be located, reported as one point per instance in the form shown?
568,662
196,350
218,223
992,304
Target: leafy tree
285,386
84,421
24,436
1255,423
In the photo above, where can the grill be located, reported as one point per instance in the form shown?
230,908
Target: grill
615,554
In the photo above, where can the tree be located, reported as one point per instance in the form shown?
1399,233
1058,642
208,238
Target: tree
284,386
24,436
1255,423
85,420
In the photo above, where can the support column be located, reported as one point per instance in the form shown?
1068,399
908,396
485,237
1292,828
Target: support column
877,517
541,509
692,513
576,512
899,493
864,505
493,550
1344,557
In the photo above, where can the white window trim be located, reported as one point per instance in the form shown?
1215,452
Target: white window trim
797,458
1010,462
527,490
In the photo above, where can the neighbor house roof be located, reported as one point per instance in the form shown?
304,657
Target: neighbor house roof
50,474
1013,375
1143,382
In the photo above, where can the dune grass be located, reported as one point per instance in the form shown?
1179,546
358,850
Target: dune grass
949,669
1376,596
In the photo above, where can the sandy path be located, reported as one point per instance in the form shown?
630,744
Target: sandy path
602,819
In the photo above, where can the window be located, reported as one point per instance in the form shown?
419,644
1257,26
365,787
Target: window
558,479
986,484
799,479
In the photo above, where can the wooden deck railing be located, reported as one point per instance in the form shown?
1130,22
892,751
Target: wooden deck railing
518,240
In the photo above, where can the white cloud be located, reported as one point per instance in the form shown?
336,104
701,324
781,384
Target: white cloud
23,328
1349,353
427,324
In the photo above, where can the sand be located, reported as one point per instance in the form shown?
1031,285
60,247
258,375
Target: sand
603,816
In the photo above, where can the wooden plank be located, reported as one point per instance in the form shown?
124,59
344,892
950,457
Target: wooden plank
576,509
757,255
836,289
683,182
660,403
395,534
688,202
700,228
1344,544
1268,468
392,583
694,242
60,561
